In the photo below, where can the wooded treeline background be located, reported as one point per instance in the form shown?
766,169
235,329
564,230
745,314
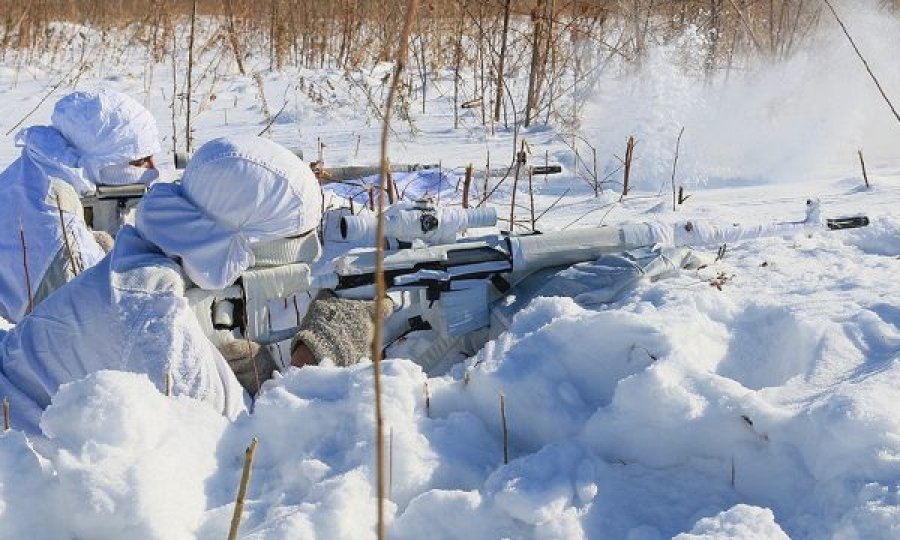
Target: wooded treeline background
559,44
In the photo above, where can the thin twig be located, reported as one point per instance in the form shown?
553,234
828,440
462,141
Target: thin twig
25,265
552,206
591,211
272,120
189,139
674,164
866,64
53,89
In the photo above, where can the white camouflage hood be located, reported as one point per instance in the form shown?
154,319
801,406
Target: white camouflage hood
105,128
236,192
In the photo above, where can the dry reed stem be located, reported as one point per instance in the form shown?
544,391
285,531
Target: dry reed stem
675,164
242,490
174,96
467,186
378,319
531,196
6,420
862,163
187,121
521,158
487,177
629,154
25,265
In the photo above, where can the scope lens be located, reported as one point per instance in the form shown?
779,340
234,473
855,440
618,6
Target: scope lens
429,222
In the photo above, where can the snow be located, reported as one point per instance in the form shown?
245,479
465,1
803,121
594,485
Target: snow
764,407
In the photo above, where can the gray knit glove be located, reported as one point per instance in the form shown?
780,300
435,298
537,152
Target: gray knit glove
104,240
241,356
338,328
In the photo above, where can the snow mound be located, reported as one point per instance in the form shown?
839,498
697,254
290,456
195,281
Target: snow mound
741,522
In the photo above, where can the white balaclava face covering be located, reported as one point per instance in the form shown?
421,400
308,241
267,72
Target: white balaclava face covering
125,173
108,129
239,197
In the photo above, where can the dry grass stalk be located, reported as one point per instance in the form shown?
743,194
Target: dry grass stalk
521,158
6,423
28,288
467,186
675,200
629,154
242,490
174,95
427,402
862,163
380,292
531,196
487,177
505,431
391,187
168,375
189,138
260,88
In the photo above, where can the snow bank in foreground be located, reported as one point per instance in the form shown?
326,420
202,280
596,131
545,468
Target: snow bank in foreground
681,409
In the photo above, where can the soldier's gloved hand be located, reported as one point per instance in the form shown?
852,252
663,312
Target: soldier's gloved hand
250,362
335,328
104,240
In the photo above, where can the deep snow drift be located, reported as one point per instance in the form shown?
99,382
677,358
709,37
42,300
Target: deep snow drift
755,398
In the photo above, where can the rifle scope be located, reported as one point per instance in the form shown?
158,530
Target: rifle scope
419,223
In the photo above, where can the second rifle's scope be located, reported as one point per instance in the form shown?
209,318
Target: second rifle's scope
419,224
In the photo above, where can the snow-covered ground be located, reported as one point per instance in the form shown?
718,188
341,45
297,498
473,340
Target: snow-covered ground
754,398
